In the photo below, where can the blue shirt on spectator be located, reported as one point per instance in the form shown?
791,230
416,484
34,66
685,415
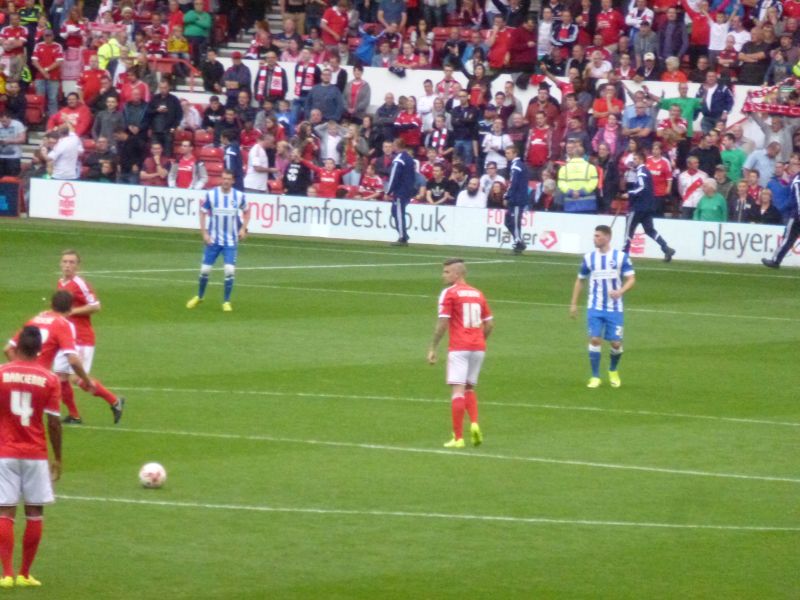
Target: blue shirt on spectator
761,162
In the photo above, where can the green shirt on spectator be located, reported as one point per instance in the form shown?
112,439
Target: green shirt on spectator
689,108
711,208
733,160
197,24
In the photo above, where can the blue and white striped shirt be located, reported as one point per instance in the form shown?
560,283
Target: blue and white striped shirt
605,273
225,213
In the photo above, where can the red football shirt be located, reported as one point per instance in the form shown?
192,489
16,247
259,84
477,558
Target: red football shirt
82,295
661,171
26,392
337,21
48,54
467,310
14,33
57,334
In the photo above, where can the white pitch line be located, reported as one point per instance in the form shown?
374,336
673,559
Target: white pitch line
424,515
298,267
492,300
278,244
564,407
433,451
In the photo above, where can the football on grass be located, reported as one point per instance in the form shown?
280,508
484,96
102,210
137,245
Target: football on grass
152,475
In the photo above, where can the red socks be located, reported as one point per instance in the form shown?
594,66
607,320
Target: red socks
458,417
7,545
68,397
100,391
30,544
471,404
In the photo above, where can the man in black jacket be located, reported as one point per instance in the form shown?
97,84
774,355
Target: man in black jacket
94,159
464,121
165,114
212,71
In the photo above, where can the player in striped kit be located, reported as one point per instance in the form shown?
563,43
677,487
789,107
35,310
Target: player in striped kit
610,274
223,222
464,312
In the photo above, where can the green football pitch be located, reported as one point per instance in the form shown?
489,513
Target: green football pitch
303,432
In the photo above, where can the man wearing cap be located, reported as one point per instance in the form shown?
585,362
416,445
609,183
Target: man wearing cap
649,71
47,58
237,77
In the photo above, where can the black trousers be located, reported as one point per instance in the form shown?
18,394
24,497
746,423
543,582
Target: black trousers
645,219
513,221
790,235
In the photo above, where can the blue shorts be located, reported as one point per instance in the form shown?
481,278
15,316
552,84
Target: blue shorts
607,325
212,251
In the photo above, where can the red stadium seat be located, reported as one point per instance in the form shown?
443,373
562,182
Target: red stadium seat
275,186
209,153
213,181
202,137
182,135
214,168
88,145
35,109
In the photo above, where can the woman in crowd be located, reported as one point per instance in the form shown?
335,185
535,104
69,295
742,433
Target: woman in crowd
610,135
471,14
371,135
765,211
608,176
496,196
479,87
292,52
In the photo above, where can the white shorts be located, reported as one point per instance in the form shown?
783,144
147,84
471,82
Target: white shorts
27,478
464,366
61,364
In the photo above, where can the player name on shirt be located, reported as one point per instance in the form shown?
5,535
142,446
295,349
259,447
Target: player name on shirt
16,377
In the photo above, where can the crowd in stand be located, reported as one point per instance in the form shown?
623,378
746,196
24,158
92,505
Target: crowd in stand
125,124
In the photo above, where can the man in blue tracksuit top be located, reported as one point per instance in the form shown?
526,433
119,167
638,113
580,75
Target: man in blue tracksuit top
641,206
517,197
402,181
792,231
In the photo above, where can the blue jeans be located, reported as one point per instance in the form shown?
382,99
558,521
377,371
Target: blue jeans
463,149
50,89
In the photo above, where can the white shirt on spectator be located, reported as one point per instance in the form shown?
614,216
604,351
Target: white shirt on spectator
466,201
495,145
487,182
740,39
255,180
65,157
14,130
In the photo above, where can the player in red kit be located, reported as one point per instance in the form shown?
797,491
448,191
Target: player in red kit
58,336
84,305
28,391
464,312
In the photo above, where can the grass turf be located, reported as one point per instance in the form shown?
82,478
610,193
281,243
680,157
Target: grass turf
302,433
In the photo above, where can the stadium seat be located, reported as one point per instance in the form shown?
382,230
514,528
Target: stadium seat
209,153
214,168
35,110
619,207
202,137
88,144
275,186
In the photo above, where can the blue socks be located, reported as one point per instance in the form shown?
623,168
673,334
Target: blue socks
594,360
228,288
201,290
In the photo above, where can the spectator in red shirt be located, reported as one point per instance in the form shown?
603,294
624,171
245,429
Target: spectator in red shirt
155,167
47,58
75,113
14,38
329,178
89,81
610,25
334,25
132,82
